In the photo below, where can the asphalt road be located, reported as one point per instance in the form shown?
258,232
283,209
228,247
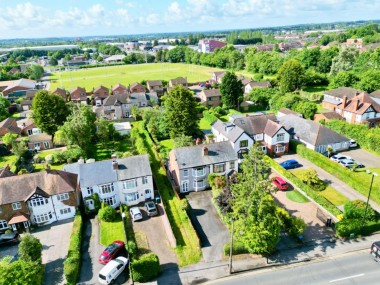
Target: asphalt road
348,269
368,159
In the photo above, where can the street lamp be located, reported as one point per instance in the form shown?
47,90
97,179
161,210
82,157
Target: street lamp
128,256
369,194
231,245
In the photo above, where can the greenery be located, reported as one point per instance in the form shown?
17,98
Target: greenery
155,121
238,248
355,209
231,90
71,266
182,141
310,177
20,272
9,138
291,76
107,213
209,118
296,196
4,104
111,231
97,204
30,249
180,111
145,268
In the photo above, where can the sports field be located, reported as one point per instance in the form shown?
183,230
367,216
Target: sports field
127,74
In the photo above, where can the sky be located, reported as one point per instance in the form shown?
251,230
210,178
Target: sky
76,18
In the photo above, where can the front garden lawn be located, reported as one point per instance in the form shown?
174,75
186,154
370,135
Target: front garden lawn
296,196
169,144
111,231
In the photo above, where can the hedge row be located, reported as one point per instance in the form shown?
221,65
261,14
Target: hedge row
346,227
145,268
210,118
71,266
307,189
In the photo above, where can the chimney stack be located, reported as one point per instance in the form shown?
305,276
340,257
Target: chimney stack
115,165
205,151
344,102
8,167
355,103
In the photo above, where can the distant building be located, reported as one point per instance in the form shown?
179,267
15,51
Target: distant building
207,46
114,58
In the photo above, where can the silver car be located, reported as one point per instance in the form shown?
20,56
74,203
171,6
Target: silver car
151,208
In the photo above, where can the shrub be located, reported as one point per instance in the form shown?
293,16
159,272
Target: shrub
355,210
348,226
71,269
146,268
58,157
74,154
30,249
238,248
132,248
49,158
210,118
107,214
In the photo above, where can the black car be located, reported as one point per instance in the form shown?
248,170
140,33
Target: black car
9,239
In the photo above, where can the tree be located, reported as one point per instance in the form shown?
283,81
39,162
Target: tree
344,78
307,109
261,96
180,112
344,61
4,104
291,76
35,71
49,112
53,61
103,131
79,128
9,139
254,210
311,178
232,91
182,141
370,81
30,249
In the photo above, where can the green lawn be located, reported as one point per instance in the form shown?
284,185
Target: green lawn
315,89
41,167
204,124
169,144
296,196
10,159
111,231
105,152
127,74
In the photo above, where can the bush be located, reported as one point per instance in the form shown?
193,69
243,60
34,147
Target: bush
74,154
107,214
132,248
210,118
355,210
238,248
71,266
30,249
348,226
146,268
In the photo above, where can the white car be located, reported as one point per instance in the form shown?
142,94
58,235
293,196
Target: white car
112,270
353,143
339,157
351,163
135,214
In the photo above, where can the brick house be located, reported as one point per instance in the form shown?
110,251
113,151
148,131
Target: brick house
334,97
210,97
177,81
60,92
9,125
217,76
208,46
255,84
136,88
40,142
19,85
327,116
119,89
99,94
190,166
155,86
28,127
37,198
78,95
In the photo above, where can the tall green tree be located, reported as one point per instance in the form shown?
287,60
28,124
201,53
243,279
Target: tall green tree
370,81
4,104
344,61
180,112
30,249
307,109
35,71
49,112
253,208
291,76
79,129
232,91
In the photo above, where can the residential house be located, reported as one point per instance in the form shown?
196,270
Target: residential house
155,86
28,127
359,109
354,43
136,88
37,198
255,84
17,88
14,70
327,116
285,111
40,142
265,47
265,130
375,96
332,98
124,180
26,105
114,58
99,94
208,46
162,47
30,94
60,92
177,81
78,95
211,97
217,76
246,105
190,166
313,135
6,172
119,89
9,125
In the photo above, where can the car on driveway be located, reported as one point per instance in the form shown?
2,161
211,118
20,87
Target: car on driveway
349,163
9,239
290,164
151,208
339,157
112,270
135,214
112,251
353,143
280,183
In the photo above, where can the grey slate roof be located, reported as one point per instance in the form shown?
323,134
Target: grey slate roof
375,94
310,132
192,156
255,124
343,91
133,166
230,131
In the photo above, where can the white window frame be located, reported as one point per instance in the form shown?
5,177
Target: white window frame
106,188
195,183
3,225
37,202
63,197
65,211
109,200
243,141
145,180
131,197
186,173
217,166
279,148
280,137
46,144
43,218
130,184
90,190
16,206
232,164
199,171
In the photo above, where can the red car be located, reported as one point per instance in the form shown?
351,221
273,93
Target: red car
280,183
112,251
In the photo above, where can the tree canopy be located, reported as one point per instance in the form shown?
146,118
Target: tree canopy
232,91
291,76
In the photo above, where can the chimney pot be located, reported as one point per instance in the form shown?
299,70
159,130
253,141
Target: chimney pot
115,165
205,151
114,156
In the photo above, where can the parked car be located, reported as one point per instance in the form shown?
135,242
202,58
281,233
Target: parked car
349,163
290,164
135,214
112,251
339,157
9,239
112,270
353,143
151,208
280,183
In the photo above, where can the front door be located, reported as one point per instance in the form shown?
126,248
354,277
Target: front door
148,194
185,186
90,204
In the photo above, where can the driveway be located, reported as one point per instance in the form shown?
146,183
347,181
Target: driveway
158,243
212,232
337,184
367,158
8,251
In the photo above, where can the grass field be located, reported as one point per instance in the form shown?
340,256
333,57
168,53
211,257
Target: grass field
127,74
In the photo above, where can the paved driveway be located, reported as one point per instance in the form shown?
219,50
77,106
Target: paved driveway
368,159
8,251
211,230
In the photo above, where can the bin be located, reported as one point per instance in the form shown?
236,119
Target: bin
157,199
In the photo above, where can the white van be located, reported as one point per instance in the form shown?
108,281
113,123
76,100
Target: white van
112,270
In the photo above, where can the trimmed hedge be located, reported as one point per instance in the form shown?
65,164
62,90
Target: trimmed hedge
71,266
210,118
238,248
353,226
307,189
146,268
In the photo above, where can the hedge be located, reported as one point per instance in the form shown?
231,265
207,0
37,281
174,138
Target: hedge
146,268
210,118
71,266
305,188
238,248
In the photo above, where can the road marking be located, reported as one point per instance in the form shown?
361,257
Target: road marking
345,278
